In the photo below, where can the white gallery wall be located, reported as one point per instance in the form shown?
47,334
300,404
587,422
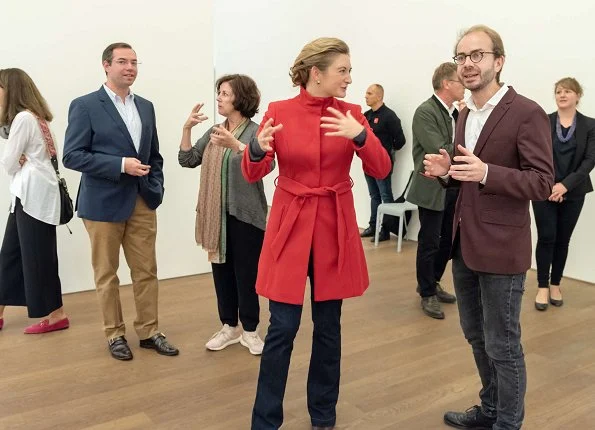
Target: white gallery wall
60,42
395,43
398,43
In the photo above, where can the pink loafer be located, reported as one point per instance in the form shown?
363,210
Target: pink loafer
44,326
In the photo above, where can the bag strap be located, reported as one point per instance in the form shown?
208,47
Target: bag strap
401,198
49,145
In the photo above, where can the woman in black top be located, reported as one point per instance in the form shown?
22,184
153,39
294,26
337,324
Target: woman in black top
573,138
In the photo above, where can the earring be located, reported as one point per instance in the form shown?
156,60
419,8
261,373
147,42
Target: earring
318,82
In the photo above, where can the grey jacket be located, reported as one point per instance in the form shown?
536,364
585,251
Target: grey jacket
432,130
245,201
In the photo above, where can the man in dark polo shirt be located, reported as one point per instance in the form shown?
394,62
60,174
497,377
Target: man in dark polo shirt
386,125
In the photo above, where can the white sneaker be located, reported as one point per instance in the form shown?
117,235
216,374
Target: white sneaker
223,338
252,341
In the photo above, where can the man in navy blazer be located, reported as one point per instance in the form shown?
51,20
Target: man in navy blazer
112,140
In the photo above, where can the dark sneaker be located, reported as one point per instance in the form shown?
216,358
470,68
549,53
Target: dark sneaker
431,307
444,296
383,236
472,418
369,232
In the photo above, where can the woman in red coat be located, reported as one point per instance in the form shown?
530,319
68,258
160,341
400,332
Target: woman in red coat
312,231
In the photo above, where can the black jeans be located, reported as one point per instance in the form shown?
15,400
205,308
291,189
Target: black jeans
235,280
555,223
489,312
381,191
434,243
29,265
325,363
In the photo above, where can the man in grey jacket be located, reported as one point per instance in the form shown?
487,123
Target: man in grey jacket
433,125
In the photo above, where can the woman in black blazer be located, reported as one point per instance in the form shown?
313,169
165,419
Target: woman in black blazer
573,138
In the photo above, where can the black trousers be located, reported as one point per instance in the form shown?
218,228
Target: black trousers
555,223
29,265
235,280
434,243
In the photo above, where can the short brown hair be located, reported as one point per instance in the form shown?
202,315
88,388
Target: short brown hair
569,84
21,93
442,72
108,53
246,94
497,44
319,53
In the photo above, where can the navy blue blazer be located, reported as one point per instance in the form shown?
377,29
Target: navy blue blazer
96,140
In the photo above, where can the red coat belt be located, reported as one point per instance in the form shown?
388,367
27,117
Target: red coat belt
301,192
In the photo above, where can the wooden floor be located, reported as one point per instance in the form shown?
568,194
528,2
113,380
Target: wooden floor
401,369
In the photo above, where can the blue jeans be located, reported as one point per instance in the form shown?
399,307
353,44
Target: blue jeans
381,191
489,310
325,364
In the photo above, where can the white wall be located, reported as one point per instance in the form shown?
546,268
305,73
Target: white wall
395,43
398,44
59,43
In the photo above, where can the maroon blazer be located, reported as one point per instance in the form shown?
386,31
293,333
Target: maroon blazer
492,220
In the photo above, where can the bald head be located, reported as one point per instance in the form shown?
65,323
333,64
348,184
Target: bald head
375,96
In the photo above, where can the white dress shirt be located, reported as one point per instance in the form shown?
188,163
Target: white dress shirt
35,183
450,110
129,113
477,118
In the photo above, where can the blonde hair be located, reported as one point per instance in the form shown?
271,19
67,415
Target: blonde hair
319,53
497,44
569,84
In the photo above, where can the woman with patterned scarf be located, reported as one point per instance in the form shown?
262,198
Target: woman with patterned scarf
231,213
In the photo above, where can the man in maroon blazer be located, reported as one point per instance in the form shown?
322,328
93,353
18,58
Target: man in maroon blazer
502,160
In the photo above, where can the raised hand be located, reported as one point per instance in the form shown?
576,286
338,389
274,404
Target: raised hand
436,164
472,169
265,137
343,125
134,167
196,116
220,136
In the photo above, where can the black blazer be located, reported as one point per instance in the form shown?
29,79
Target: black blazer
578,183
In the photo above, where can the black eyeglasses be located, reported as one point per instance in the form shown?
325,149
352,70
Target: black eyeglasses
475,56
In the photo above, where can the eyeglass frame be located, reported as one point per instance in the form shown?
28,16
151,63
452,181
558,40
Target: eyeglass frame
123,62
482,53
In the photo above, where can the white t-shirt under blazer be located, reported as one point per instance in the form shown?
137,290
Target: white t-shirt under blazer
35,183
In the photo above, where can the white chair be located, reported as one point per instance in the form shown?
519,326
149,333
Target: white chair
396,209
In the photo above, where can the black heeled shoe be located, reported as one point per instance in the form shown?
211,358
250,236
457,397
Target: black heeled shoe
556,302
542,306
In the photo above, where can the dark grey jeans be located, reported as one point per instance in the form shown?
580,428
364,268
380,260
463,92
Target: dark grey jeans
489,310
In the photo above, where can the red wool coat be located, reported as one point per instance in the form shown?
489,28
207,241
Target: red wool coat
312,209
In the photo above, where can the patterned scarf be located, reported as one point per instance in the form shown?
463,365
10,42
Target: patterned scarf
211,209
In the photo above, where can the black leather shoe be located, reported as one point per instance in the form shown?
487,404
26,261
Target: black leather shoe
159,344
472,418
431,307
369,232
119,348
444,296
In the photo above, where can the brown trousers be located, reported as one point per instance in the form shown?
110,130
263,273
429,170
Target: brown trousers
137,237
